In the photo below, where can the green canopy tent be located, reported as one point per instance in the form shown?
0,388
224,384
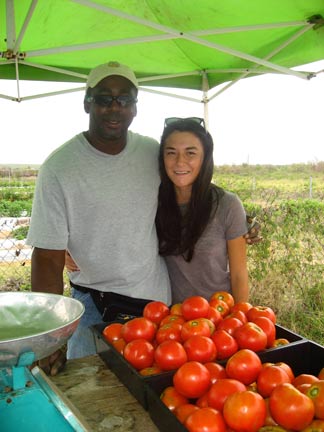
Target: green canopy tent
186,44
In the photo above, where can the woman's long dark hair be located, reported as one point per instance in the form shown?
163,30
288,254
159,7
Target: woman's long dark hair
178,233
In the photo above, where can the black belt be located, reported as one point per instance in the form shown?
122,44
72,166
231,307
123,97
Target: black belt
80,288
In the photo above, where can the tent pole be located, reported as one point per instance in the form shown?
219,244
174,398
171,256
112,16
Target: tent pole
205,88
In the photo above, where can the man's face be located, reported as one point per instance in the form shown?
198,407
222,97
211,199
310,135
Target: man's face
110,123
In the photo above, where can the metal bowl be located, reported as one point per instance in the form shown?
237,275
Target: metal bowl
35,322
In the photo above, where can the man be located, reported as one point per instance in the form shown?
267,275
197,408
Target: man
96,196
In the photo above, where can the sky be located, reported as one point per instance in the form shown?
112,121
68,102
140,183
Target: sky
270,119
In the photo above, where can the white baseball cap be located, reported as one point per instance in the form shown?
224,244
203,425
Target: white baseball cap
112,68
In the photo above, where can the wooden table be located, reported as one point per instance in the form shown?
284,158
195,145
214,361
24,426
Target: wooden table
102,400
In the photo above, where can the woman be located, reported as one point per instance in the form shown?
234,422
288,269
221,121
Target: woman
200,226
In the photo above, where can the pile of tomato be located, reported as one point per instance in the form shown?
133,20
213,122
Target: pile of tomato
240,394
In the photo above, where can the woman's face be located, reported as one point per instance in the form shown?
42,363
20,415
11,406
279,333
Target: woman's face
183,156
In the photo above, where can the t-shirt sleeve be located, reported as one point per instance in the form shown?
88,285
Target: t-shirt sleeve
48,226
235,218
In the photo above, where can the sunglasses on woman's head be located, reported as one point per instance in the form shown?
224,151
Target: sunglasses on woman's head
170,120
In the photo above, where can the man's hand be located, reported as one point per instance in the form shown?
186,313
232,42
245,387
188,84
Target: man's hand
252,236
69,263
54,363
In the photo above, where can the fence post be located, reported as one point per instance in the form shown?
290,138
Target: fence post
310,187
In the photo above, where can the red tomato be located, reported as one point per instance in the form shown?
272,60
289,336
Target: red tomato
119,345
269,421
290,408
245,411
214,316
112,331
172,398
242,306
174,320
226,344
200,348
205,420
183,411
238,314
321,374
152,370
268,327
251,336
170,355
176,309
168,332
216,370
270,377
192,379
138,328
316,393
202,401
139,353
221,389
221,306
287,369
245,365
155,311
280,342
229,324
304,379
225,296
315,426
194,307
195,327
257,311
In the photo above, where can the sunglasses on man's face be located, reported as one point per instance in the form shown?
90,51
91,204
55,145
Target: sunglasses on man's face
171,120
107,100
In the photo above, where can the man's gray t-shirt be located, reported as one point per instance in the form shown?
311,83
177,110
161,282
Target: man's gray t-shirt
102,209
208,272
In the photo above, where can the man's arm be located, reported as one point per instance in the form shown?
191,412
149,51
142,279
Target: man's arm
47,270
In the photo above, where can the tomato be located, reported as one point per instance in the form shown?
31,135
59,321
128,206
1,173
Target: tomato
290,408
316,393
174,320
245,365
225,296
269,421
268,327
151,370
176,309
315,426
202,401
242,306
321,374
172,398
138,328
199,326
170,355
214,315
183,411
226,344
270,377
287,369
139,353
304,379
280,342
216,370
205,420
155,311
245,411
221,389
229,324
221,306
251,336
195,307
200,348
238,314
257,311
119,345
168,332
192,379
112,331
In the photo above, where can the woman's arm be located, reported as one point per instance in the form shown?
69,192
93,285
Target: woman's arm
238,269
